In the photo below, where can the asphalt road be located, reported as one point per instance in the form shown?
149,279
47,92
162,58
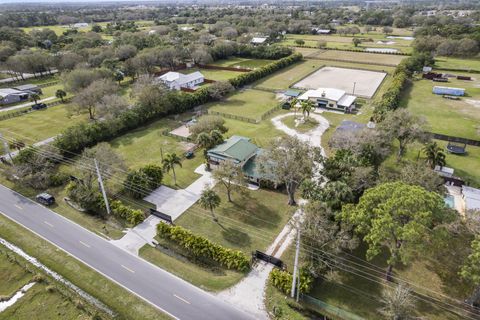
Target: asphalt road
167,292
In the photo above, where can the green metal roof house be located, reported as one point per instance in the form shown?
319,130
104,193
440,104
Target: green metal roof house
243,153
237,149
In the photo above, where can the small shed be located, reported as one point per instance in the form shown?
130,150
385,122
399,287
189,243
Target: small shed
449,91
292,93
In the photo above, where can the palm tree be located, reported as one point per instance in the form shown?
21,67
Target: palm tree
306,106
60,94
210,200
34,97
208,141
169,162
434,154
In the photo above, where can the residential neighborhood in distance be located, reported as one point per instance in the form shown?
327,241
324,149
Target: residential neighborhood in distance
206,160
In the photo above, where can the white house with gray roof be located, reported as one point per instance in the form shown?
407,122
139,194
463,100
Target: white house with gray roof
9,95
330,98
176,80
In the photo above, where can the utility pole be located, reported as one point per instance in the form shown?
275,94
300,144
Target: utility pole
295,268
354,84
6,147
102,187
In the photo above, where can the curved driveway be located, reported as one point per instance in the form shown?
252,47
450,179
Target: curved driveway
165,291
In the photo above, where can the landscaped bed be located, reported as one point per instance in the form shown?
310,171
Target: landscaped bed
302,126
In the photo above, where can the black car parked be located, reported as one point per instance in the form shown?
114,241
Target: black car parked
45,199
39,106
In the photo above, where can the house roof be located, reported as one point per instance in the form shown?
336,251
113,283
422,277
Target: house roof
258,40
26,87
236,147
180,77
8,91
348,125
327,93
471,197
292,93
346,100
251,168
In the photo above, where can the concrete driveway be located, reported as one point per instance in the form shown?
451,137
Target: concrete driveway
167,200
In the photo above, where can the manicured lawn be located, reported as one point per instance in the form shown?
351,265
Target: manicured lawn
40,125
211,74
251,222
360,57
234,62
203,277
40,304
146,145
456,118
129,306
282,79
12,276
260,133
249,103
458,63
302,127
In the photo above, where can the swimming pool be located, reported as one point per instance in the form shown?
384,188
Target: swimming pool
449,201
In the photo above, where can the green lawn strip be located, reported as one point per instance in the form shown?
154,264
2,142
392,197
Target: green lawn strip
306,126
38,303
360,57
118,299
203,277
260,133
38,81
40,125
251,222
146,145
458,118
249,103
12,277
213,74
288,76
457,63
234,62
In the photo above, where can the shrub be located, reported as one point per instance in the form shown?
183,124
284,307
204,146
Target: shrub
282,280
202,247
140,182
133,216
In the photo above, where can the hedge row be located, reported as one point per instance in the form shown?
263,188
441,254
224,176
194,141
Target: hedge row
282,280
74,139
391,98
202,247
133,216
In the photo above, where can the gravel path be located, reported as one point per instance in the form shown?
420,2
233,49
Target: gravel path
249,294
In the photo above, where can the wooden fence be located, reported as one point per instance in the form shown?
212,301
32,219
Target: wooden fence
445,137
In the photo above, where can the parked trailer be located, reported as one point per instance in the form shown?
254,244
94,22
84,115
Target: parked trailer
464,78
448,91
440,79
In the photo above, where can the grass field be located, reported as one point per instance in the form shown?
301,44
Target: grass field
249,103
203,277
211,74
12,276
456,118
248,223
234,62
457,63
42,124
130,306
282,79
358,57
435,268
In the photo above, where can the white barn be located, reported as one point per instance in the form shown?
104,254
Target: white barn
330,98
176,81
